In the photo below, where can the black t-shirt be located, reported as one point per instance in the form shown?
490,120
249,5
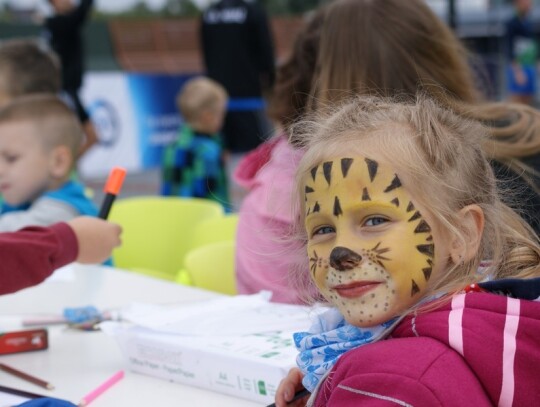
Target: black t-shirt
237,47
64,34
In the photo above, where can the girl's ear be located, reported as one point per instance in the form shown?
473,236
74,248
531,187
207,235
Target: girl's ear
60,161
472,227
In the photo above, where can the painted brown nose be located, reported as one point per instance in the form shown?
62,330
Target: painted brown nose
343,259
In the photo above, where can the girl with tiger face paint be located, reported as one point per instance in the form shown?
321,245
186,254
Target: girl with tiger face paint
372,252
398,207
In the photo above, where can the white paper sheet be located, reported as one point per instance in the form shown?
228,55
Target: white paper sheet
239,315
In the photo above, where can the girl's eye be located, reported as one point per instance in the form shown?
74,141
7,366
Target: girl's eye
323,230
11,158
375,221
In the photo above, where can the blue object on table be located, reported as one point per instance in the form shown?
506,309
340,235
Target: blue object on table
47,402
81,314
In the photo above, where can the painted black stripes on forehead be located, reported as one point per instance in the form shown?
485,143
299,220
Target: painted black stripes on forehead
345,165
372,167
327,171
309,189
396,183
314,172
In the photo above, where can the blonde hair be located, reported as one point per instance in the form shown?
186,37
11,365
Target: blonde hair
394,47
55,123
197,95
441,155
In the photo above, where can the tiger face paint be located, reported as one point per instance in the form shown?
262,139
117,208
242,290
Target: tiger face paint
371,251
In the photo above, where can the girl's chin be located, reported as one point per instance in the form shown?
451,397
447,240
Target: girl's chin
360,321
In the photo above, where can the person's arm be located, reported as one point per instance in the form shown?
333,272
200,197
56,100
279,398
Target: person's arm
420,372
43,212
30,255
71,19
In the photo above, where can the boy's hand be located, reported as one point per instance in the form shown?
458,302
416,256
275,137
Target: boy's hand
96,238
288,387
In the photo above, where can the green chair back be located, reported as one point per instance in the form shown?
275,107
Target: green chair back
210,267
157,231
214,230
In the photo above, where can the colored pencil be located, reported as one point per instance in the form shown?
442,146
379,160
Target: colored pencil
22,393
102,388
26,376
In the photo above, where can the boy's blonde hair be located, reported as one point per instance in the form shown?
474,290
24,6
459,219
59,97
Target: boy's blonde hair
197,95
440,154
55,123
25,67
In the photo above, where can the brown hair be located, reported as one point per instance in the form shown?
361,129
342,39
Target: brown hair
439,153
27,68
198,94
389,47
56,124
395,47
294,77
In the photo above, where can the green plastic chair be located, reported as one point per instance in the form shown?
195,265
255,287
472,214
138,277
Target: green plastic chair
215,230
157,232
210,267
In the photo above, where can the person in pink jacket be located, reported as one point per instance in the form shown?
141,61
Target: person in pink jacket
263,251
433,282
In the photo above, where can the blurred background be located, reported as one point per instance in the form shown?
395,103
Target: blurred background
140,52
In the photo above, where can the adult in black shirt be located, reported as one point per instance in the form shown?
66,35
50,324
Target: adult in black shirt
238,53
63,31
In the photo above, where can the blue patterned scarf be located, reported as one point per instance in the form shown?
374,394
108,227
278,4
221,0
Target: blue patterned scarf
329,338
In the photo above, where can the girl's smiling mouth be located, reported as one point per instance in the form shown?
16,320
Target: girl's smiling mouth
355,289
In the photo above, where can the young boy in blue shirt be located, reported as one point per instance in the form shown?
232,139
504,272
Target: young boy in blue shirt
39,140
193,163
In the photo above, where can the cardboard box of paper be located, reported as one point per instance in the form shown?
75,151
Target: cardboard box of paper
249,366
229,357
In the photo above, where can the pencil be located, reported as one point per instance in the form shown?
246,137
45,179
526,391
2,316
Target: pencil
111,189
26,376
102,388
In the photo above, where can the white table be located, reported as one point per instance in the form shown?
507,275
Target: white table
77,362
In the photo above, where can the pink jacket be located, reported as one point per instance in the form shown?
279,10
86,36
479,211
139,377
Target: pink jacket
264,255
480,350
